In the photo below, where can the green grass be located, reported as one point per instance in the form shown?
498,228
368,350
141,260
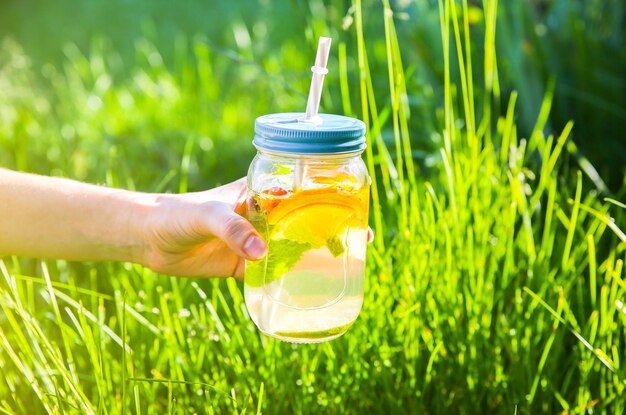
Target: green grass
496,282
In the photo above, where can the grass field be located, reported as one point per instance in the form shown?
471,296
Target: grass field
496,281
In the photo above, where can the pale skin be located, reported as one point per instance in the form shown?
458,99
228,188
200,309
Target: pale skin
189,235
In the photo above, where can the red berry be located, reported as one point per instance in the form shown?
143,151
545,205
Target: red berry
276,191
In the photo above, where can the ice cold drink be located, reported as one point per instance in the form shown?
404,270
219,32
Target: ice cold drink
312,210
309,288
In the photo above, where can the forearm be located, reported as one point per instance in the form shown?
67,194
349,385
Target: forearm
59,218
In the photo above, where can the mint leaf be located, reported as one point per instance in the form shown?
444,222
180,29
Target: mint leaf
258,220
283,255
335,246
281,169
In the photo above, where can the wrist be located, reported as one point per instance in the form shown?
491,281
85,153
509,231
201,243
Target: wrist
138,226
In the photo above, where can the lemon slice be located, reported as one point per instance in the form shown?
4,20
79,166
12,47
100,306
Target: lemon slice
316,224
314,217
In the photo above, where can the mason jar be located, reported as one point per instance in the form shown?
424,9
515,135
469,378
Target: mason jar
308,197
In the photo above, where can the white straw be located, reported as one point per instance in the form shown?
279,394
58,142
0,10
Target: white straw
317,80
315,95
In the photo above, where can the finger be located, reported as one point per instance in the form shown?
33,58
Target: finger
239,234
233,194
239,270
370,235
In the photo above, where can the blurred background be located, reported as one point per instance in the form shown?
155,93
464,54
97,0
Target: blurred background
121,91
158,96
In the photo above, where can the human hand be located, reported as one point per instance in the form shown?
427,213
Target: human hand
199,234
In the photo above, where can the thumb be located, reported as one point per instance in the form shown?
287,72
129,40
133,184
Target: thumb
234,231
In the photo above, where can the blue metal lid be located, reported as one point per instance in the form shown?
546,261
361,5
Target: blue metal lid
287,133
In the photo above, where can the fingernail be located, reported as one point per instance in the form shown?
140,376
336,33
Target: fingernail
254,247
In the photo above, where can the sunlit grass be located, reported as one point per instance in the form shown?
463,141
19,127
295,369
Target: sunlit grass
495,283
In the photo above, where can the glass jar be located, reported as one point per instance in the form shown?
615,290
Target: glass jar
308,197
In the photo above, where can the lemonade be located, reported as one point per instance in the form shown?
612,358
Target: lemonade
308,197
309,287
